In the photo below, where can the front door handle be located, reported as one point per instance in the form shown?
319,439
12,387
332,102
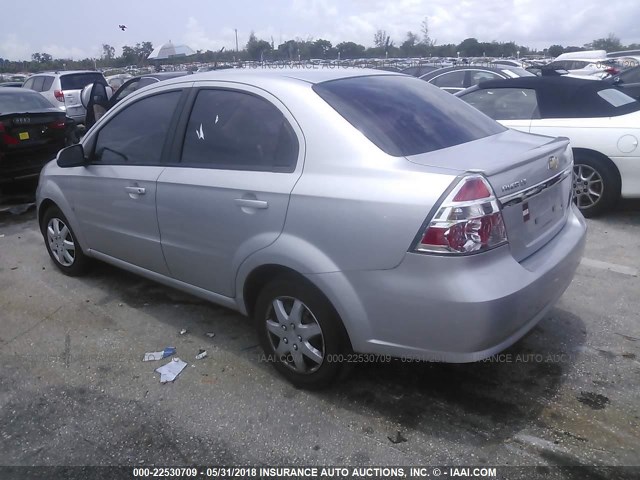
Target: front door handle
136,190
247,202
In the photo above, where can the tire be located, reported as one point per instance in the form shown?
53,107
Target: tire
596,184
313,359
61,243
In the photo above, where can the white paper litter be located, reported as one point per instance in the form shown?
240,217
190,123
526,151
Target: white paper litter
171,370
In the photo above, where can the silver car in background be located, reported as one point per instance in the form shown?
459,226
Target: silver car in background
63,89
344,210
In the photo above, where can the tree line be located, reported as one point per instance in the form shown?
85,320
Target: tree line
413,45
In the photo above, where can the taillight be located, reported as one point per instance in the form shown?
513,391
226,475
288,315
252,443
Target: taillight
59,95
612,70
469,220
6,138
57,124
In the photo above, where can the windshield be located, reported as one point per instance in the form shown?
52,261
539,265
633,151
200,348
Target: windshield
405,116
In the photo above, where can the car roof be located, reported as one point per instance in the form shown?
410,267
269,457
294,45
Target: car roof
559,96
64,72
259,76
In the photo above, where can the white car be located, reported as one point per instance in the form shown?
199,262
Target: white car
602,122
590,63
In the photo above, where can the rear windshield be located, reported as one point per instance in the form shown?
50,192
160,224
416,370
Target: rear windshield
22,102
77,81
405,116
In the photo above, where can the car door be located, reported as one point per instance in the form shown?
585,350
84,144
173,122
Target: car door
513,107
228,192
114,195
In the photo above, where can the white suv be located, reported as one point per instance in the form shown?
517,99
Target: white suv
63,89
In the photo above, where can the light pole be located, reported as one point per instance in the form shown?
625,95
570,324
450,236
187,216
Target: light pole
236,30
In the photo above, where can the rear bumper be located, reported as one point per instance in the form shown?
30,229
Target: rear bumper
27,164
455,309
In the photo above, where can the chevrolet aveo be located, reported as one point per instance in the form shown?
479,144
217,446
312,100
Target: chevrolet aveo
344,210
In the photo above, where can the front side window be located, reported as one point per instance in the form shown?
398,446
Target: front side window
505,103
136,134
404,116
238,131
450,80
478,76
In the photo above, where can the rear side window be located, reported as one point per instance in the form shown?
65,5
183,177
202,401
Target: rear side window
38,82
77,81
505,103
405,116
46,85
615,97
238,131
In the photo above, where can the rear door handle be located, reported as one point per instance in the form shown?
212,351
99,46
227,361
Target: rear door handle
246,202
136,190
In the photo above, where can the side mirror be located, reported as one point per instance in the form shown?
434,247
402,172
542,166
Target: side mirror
617,81
72,156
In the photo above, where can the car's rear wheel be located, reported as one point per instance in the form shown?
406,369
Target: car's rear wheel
596,185
62,244
300,332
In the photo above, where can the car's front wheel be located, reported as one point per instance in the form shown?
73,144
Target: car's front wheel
596,186
300,332
62,244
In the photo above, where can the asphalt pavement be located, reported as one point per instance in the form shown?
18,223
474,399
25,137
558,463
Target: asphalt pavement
74,389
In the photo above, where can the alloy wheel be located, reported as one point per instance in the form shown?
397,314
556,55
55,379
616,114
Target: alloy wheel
588,186
61,242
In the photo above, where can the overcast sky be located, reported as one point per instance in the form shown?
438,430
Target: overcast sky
63,29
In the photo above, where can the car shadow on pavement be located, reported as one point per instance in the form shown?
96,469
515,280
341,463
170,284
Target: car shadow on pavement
486,401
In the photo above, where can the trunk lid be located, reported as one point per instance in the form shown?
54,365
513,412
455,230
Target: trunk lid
32,129
530,175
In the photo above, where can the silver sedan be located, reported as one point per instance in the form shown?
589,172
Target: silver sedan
345,210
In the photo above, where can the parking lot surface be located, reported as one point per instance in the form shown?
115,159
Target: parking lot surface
74,389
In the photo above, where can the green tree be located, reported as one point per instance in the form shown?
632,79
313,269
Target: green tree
470,47
555,50
108,52
408,47
257,49
424,29
382,40
321,48
350,50
610,44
